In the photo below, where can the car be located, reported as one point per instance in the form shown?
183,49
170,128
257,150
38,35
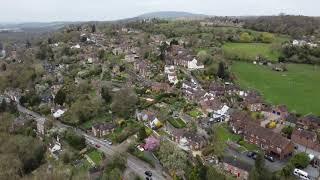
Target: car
97,146
108,142
148,178
148,173
250,154
269,158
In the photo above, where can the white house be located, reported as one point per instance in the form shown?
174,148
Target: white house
194,64
58,113
221,114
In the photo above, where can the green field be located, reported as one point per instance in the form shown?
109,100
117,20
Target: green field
298,88
249,51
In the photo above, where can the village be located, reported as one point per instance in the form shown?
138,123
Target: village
126,91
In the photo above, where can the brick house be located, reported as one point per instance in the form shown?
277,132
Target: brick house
306,138
272,143
100,130
309,122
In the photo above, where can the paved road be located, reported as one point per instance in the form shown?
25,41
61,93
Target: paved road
136,165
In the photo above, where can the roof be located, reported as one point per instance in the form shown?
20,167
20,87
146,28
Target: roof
236,163
305,134
312,118
292,118
105,126
267,134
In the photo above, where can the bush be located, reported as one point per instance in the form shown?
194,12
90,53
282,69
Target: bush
300,160
76,141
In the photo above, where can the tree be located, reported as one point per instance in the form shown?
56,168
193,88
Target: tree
300,160
142,134
221,71
60,97
3,67
76,141
259,172
3,105
267,37
287,131
106,95
93,28
246,37
28,44
152,143
172,157
212,174
124,102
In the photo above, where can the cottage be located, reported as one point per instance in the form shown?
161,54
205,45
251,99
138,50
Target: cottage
306,138
148,116
58,113
131,57
291,120
309,122
100,130
217,88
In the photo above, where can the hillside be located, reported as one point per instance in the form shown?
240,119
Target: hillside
171,15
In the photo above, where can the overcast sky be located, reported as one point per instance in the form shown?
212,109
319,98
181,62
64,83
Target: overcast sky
99,10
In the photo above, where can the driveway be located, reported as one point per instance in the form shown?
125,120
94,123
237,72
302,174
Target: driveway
272,166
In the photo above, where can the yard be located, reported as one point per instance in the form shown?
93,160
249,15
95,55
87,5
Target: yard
96,156
249,51
121,133
177,123
298,88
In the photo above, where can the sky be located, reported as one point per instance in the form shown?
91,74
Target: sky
102,10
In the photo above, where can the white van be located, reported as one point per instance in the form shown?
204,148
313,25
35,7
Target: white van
301,174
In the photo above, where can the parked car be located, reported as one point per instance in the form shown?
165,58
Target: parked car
252,155
148,173
269,158
98,146
148,178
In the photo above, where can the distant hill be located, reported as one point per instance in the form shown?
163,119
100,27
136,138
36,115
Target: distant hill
171,15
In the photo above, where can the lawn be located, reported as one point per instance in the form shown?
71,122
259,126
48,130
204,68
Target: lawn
298,88
96,156
249,51
177,123
225,135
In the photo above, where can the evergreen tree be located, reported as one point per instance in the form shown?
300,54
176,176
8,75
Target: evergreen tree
3,105
60,97
221,71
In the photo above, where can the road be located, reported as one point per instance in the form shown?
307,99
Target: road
136,165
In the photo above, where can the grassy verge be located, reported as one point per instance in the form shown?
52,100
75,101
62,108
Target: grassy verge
177,123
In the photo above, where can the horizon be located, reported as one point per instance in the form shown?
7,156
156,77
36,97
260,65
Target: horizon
16,11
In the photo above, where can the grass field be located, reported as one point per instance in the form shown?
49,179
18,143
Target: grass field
249,51
96,156
298,88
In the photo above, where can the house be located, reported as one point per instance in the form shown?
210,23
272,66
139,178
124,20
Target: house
237,168
131,57
194,64
169,70
161,87
309,122
221,114
217,88
281,110
149,117
210,105
188,140
272,143
142,67
58,113
253,102
100,130
291,120
306,138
